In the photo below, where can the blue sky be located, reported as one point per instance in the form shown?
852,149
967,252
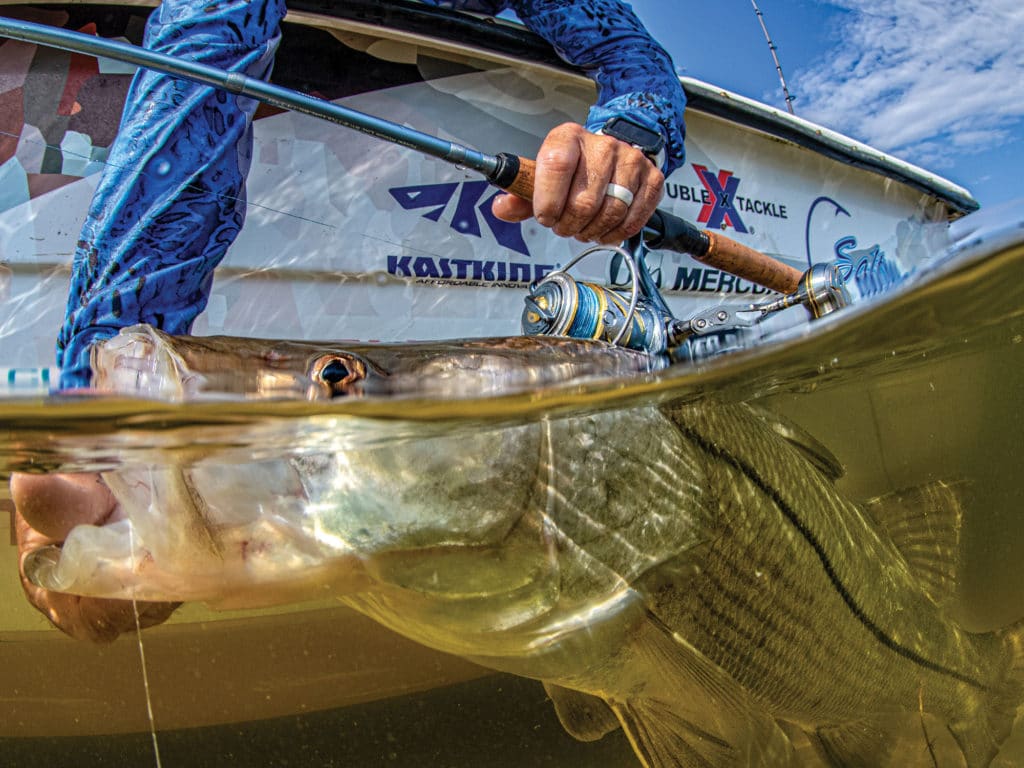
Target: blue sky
936,83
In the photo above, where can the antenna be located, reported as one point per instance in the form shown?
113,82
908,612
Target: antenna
775,57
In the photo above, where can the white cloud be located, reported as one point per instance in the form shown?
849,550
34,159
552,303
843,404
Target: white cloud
925,79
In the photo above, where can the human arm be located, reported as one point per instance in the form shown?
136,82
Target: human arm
636,79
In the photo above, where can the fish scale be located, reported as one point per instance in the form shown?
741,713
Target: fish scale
953,670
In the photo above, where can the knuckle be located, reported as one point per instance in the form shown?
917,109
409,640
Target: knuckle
586,202
630,229
633,156
567,130
557,160
545,218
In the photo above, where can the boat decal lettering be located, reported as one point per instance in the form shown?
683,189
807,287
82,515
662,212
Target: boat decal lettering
701,280
434,269
869,268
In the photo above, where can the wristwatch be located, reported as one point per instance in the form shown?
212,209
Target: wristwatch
651,143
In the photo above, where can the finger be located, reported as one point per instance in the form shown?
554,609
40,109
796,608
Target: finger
557,163
511,208
54,504
78,617
645,202
83,618
613,211
588,191
95,619
151,614
100,620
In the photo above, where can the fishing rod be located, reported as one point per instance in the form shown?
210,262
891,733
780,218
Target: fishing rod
512,173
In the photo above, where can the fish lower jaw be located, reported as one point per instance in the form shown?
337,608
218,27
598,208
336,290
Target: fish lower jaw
138,363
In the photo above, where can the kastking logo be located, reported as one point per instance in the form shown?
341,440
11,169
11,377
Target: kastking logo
468,210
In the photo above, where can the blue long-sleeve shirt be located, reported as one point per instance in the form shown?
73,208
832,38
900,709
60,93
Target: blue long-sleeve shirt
634,74
172,197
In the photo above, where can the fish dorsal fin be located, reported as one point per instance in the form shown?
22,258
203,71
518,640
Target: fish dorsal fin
924,524
812,448
584,717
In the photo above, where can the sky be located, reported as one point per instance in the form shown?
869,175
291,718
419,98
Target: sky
937,83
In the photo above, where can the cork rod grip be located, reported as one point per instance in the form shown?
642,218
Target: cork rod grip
741,260
522,184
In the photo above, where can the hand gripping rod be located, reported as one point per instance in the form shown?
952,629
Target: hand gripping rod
509,172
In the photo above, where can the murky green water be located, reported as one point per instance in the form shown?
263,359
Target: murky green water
924,387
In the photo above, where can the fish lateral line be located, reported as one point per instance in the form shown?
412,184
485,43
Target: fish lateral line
715,451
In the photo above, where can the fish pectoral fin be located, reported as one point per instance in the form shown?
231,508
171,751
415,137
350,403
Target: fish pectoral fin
662,738
1011,751
924,524
584,717
691,712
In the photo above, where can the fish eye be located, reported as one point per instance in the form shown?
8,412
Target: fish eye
337,374
334,372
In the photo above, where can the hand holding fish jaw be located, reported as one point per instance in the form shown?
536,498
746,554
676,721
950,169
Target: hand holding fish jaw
574,169
47,507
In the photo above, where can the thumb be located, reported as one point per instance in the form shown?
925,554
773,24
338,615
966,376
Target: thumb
510,208
54,504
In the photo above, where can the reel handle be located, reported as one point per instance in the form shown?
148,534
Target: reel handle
665,231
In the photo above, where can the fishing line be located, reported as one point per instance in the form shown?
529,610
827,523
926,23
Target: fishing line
198,190
142,653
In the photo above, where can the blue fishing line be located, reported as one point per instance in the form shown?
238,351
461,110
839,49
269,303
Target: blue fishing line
587,323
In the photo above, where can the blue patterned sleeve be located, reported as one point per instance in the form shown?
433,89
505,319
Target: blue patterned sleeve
172,197
634,74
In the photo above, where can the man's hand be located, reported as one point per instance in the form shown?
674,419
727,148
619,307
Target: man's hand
47,507
574,169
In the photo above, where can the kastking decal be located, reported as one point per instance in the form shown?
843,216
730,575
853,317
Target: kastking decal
468,211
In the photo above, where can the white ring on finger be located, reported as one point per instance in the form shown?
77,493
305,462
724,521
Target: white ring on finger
619,192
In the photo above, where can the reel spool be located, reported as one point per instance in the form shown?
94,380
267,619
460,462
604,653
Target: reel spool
559,305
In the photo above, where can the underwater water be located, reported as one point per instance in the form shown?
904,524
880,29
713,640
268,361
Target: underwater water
918,389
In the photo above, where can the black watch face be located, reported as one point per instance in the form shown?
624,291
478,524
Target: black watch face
632,133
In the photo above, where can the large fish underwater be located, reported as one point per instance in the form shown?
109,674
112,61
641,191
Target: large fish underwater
686,571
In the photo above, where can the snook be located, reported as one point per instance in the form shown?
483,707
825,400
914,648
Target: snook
686,572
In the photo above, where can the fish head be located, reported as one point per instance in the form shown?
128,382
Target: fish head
455,516
145,362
